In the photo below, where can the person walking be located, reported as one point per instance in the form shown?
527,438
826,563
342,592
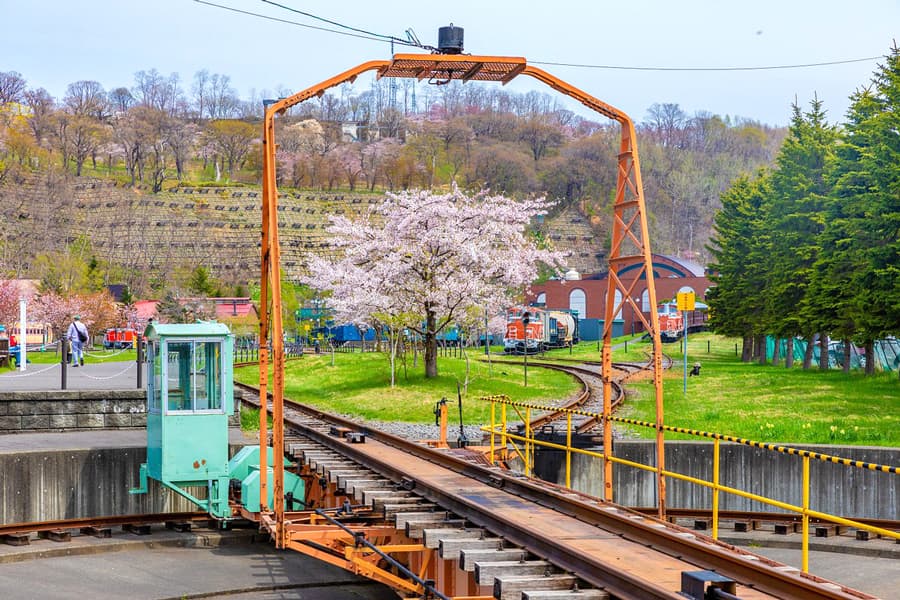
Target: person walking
77,334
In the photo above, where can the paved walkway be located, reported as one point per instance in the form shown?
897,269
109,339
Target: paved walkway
202,563
65,441
92,376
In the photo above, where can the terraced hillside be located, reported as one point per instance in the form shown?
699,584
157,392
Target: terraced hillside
215,227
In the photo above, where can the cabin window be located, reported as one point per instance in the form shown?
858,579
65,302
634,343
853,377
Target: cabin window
155,379
194,376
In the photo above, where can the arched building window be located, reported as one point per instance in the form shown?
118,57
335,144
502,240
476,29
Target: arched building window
645,301
577,301
541,299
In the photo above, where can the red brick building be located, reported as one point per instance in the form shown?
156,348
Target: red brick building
587,294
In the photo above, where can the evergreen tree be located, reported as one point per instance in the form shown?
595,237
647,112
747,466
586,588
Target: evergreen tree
740,269
170,310
859,271
201,283
127,297
799,191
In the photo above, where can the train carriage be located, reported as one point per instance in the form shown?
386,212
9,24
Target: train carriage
546,329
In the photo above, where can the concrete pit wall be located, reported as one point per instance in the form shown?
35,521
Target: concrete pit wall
834,488
72,484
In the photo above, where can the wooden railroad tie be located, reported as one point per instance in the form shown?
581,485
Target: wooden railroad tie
56,535
17,539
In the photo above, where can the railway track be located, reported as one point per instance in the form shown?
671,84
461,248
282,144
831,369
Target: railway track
19,534
513,537
590,399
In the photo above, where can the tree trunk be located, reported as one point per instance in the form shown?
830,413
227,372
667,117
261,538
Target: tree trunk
747,349
776,353
394,342
808,354
465,355
823,352
789,354
431,369
761,349
847,346
870,357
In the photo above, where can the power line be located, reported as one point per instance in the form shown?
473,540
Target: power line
765,68
330,22
413,42
298,24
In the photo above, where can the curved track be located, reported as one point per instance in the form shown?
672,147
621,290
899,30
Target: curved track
576,540
590,399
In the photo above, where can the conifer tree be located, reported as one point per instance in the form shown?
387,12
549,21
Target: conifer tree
799,192
859,271
740,270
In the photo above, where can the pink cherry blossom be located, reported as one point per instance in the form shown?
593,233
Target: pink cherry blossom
434,258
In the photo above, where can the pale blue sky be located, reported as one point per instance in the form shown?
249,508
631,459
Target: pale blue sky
53,43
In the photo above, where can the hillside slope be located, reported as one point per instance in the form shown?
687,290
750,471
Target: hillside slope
151,235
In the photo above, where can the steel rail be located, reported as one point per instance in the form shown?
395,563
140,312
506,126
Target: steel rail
759,573
557,413
100,522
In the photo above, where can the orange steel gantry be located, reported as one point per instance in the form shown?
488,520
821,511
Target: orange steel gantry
630,240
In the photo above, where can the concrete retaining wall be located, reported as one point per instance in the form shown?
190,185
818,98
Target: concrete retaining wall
68,410
78,410
834,488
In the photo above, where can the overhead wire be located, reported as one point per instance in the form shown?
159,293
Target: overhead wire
413,41
297,23
764,68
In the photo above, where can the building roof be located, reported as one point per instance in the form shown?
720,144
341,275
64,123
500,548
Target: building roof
145,309
696,269
664,265
199,329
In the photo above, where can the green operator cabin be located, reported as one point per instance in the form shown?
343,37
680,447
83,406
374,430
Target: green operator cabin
190,397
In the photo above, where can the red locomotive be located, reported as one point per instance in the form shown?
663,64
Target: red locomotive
671,321
119,337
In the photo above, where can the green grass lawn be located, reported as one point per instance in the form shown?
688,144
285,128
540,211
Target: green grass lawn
359,384
761,402
769,403
629,348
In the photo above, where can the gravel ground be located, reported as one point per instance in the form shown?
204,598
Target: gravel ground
422,431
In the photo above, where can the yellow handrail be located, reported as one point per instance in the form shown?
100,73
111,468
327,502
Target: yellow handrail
529,442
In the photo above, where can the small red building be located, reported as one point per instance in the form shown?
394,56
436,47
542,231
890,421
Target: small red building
587,294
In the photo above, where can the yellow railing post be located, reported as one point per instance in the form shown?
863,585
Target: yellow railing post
568,449
529,442
503,441
493,429
715,499
806,514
